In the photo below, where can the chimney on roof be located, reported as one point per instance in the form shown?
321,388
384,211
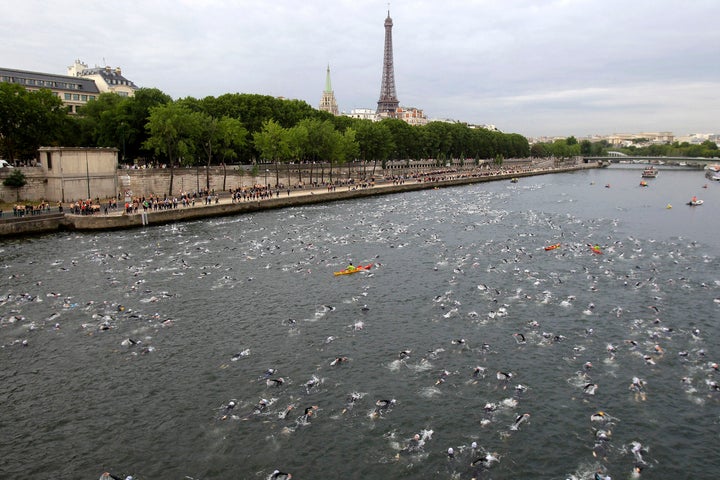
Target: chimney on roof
118,71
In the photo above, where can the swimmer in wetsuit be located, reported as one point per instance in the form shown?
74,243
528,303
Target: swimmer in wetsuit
382,406
278,475
275,382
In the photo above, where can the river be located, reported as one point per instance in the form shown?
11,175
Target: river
122,351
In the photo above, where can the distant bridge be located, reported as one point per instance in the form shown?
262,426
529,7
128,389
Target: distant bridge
613,157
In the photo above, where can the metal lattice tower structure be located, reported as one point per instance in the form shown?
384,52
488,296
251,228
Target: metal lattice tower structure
328,102
388,103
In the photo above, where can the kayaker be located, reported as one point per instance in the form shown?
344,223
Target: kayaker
351,267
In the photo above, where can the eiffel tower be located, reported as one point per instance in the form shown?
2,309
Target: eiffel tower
388,103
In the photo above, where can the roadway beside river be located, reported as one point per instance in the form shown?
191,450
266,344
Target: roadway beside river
224,205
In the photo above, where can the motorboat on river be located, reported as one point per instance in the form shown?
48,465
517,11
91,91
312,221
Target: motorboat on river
650,172
713,172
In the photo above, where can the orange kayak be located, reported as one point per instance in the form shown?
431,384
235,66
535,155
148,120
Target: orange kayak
359,268
552,247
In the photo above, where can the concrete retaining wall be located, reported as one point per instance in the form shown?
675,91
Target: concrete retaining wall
55,222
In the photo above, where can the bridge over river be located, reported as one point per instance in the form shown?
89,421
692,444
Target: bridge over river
694,162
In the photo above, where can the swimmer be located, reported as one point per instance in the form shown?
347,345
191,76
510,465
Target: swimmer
278,475
314,381
261,406
599,476
486,461
588,365
451,453
352,398
490,407
459,341
238,356
268,373
590,388
108,476
519,338
637,450
599,417
637,469
503,376
275,382
414,444
285,412
443,375
382,406
404,354
309,412
637,385
228,408
519,420
339,360
478,372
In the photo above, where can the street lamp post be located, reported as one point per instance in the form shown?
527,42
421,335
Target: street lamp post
266,174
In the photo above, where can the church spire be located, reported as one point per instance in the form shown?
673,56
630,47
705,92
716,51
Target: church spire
328,102
328,86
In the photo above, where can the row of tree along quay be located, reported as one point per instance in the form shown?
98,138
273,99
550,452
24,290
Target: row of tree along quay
152,128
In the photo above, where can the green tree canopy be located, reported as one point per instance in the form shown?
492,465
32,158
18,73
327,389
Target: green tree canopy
28,119
171,128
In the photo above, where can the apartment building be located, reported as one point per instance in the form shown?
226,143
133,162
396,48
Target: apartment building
81,85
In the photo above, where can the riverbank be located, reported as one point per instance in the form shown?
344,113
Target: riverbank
225,206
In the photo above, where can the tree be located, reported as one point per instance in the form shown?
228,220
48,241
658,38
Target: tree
231,138
170,129
28,119
375,141
16,180
297,138
272,143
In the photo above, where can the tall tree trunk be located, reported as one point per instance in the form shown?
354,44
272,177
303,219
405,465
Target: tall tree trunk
172,174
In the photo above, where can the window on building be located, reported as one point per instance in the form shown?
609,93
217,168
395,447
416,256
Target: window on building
67,96
83,98
48,157
76,96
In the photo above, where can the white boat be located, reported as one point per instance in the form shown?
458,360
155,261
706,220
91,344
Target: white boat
650,172
712,172
695,202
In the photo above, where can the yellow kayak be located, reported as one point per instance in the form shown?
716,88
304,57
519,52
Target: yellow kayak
359,268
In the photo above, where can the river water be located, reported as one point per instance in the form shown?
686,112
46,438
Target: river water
121,351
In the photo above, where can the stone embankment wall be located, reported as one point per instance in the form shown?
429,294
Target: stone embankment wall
56,222
156,181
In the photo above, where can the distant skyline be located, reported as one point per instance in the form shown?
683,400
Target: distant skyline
538,68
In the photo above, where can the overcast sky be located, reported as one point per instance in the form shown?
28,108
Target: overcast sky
534,67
